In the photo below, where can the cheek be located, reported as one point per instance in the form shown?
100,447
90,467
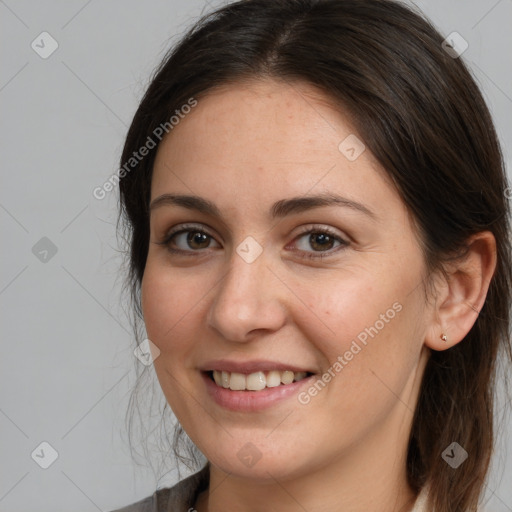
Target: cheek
338,310
373,320
369,356
167,306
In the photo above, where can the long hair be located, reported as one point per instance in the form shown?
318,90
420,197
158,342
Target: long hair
423,117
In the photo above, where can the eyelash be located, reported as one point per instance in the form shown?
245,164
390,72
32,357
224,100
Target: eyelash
308,255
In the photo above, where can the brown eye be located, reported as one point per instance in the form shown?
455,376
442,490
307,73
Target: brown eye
188,239
198,240
321,241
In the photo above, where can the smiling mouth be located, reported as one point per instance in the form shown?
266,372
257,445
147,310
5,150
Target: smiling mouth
256,381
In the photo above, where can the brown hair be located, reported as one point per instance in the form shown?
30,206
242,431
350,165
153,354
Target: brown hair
423,117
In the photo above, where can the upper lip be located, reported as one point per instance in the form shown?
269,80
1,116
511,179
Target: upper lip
248,367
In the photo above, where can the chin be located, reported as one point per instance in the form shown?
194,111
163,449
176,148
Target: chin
264,460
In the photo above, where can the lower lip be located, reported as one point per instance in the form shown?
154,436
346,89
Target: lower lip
251,401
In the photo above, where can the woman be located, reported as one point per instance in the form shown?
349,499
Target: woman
320,252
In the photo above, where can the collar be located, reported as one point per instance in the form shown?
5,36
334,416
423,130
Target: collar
421,501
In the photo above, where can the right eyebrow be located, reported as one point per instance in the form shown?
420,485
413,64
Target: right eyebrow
190,202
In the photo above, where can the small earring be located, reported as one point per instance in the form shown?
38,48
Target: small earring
444,337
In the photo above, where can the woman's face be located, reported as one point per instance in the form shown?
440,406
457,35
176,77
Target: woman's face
295,255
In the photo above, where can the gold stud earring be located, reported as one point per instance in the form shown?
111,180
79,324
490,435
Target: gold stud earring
444,337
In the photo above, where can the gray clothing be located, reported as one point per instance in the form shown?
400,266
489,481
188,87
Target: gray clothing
182,496
179,498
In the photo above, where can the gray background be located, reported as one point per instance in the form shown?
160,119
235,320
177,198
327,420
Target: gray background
67,362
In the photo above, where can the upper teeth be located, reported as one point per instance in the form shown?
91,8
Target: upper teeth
255,381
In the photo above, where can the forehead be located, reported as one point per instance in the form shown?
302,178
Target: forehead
264,141
280,115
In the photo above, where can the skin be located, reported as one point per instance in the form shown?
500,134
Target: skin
244,147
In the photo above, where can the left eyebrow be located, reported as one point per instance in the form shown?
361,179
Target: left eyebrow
279,209
300,204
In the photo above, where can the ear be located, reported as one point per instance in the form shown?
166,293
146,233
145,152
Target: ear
460,295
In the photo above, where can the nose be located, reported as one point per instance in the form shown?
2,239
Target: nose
249,300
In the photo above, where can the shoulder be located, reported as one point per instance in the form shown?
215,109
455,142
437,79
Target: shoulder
146,505
179,498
